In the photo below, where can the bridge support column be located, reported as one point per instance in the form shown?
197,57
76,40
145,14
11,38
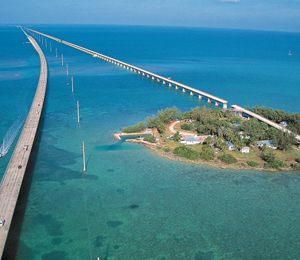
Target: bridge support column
176,87
131,69
216,103
148,76
170,85
158,80
164,82
225,106
208,100
183,90
153,78
139,72
191,93
134,70
199,97
127,67
143,74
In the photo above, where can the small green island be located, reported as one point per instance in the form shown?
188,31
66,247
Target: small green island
221,138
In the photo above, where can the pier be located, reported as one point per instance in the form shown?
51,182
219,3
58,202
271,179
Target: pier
160,79
263,119
13,177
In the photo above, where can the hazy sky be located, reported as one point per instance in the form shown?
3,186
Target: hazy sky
278,15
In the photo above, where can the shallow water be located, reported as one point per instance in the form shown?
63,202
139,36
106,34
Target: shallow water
132,204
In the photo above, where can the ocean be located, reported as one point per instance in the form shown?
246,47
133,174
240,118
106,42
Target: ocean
130,203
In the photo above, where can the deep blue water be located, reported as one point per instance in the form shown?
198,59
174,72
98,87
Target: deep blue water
132,204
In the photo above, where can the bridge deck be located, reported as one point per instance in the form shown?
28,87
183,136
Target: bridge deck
263,119
13,177
137,69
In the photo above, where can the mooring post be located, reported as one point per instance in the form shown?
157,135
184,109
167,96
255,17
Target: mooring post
78,117
67,69
72,84
83,156
62,60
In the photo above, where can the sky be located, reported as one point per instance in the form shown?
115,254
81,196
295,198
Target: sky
274,15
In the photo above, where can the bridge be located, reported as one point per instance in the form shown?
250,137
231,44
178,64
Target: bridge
263,119
210,98
13,177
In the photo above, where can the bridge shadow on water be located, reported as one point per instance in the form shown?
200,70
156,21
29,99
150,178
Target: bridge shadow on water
13,243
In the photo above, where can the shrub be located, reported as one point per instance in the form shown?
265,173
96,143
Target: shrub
227,158
186,152
268,155
252,163
167,149
207,154
296,166
185,127
150,139
275,164
135,128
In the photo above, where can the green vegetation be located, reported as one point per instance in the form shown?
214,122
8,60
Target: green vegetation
227,158
279,116
186,152
167,149
150,139
225,125
252,163
207,153
133,129
185,127
271,162
177,136
296,166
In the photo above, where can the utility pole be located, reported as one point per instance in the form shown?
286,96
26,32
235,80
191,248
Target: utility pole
67,69
72,84
83,156
62,60
78,117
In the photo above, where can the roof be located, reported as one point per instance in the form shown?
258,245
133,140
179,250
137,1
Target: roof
245,148
266,142
191,138
229,143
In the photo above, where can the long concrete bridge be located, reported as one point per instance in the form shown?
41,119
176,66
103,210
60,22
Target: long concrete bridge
13,177
210,98
263,119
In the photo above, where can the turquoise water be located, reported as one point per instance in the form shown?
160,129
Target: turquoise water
132,204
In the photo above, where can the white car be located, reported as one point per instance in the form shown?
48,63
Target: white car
2,221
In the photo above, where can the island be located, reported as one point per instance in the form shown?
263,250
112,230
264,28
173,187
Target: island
224,138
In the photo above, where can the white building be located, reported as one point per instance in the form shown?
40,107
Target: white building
230,146
245,149
190,140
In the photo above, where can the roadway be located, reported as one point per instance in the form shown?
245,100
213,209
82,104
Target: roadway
138,70
13,177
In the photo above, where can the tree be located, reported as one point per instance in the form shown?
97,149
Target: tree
209,141
135,128
160,126
284,140
177,136
168,115
268,155
151,121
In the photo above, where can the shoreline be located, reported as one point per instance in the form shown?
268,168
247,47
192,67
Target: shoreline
240,165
